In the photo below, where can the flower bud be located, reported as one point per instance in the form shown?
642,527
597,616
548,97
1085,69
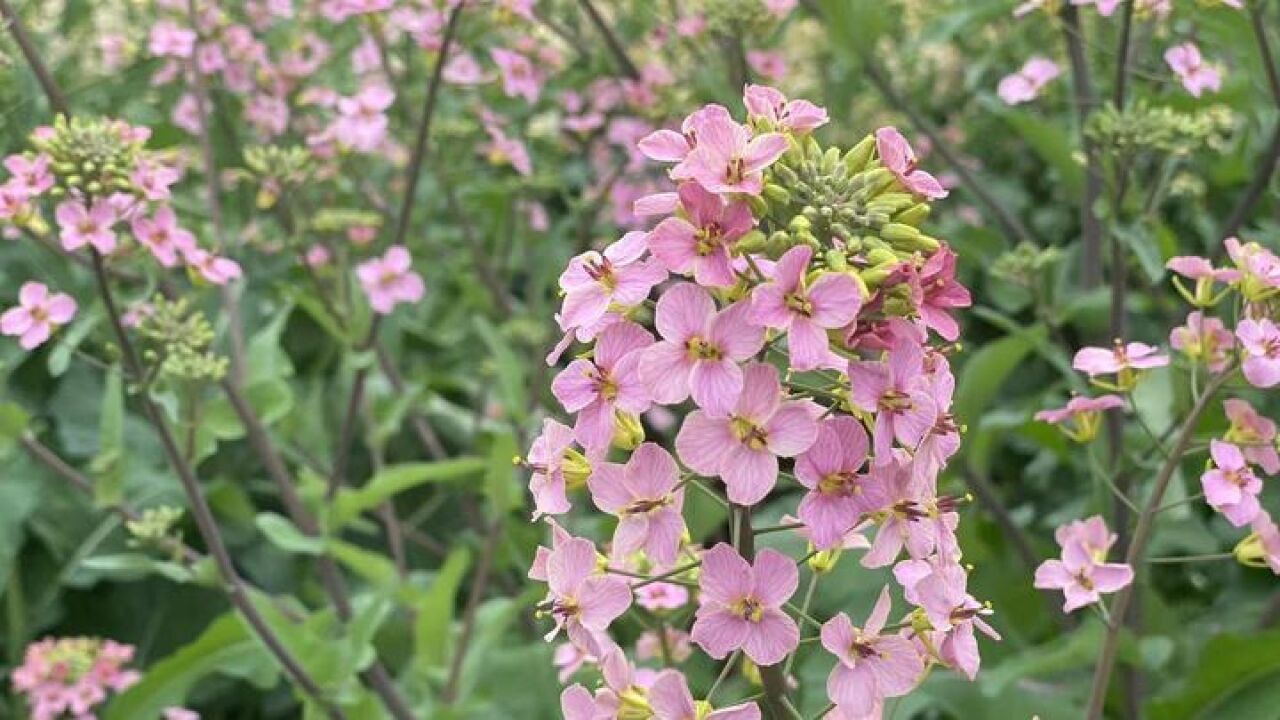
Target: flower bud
829,160
759,207
1250,551
752,242
628,433
576,468
858,156
824,561
914,215
776,194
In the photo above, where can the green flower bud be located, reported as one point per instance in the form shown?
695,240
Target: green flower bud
914,215
777,194
752,242
858,157
628,433
829,160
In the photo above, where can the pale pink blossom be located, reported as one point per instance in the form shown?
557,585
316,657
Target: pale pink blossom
79,225
701,240
519,77
1253,433
1204,339
1094,361
806,310
161,235
213,268
770,105
390,280
671,700
674,147
1189,66
768,64
593,280
32,176
1230,486
1260,341
643,496
582,601
870,666
38,313
167,39
596,389
838,496
546,459
897,393
1026,84
1081,573
741,605
730,158
896,155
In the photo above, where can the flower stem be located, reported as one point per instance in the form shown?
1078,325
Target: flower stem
1192,558
773,677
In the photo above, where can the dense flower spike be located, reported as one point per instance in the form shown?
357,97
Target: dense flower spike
799,323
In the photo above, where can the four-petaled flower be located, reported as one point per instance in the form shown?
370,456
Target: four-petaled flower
1230,486
1082,573
896,154
870,666
596,388
37,315
79,225
806,310
643,496
701,241
582,601
1260,340
390,280
730,158
838,495
742,605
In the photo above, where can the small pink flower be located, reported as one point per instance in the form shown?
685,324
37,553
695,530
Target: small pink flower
1268,541
462,69
670,699
1189,66
897,393
661,596
593,281
1260,340
1024,85
702,239
167,39
741,605
780,8
1084,414
1105,7
546,459
935,292
838,495
79,225
674,147
1255,434
519,78
1230,487
582,601
913,518
390,280
362,121
767,64
595,389
161,235
770,105
729,158
1259,268
37,315
642,494
153,179
743,448
804,310
31,176
699,351
1205,340
1082,574
179,713
1094,361
213,268
870,666
953,612
896,155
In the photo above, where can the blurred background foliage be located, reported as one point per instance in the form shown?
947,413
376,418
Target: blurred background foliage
470,364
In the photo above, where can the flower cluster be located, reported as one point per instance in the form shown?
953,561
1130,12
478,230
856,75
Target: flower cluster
796,296
71,676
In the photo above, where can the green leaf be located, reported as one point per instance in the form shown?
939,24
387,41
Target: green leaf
1240,672
1143,246
987,369
1075,650
108,466
135,566
396,479
500,484
225,647
855,25
435,614
510,367
1051,141
13,423
285,535
372,566
266,360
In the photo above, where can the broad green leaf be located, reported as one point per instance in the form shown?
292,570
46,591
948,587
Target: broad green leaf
1051,141
134,566
285,535
225,647
266,360
510,367
1237,671
108,465
985,372
500,485
372,566
435,614
13,423
396,479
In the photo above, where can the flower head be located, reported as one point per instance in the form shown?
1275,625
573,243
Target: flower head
37,315
582,601
701,241
1230,486
1081,573
1260,340
596,388
1024,85
1084,415
642,494
390,280
730,158
72,676
804,310
1254,434
870,666
741,605
1189,66
896,154
81,225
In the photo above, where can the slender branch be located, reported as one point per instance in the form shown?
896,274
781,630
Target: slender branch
1011,225
200,510
1264,50
57,100
479,583
1271,157
1122,66
414,169
1085,102
611,39
1141,535
346,434
426,435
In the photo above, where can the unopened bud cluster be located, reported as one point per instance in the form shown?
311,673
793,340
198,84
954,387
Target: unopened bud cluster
179,339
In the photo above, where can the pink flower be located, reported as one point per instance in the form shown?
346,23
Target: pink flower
701,241
699,351
70,677
899,396
31,176
780,8
1196,76
913,518
642,494
670,699
953,612
547,460
594,281
837,495
1084,414
674,147
390,280
582,601
768,64
1230,487
1254,434
362,121
505,150
661,596
870,666
1260,340
519,78
213,268
161,235
37,315
1204,339
1094,361
167,39
1024,85
770,105
462,69
743,449
1105,7
153,179
806,311
597,388
896,155
1262,547
79,225
741,605
179,713
935,293
730,159
570,658
1081,574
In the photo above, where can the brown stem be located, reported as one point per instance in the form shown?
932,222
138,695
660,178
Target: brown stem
200,510
57,100
350,418
1141,536
773,677
426,435
611,39
1126,43
424,127
1085,102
